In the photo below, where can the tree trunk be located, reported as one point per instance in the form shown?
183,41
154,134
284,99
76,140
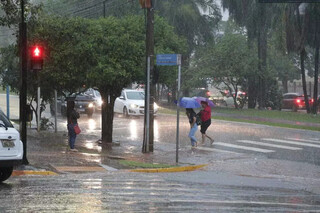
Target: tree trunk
285,85
262,55
107,119
252,93
303,75
316,76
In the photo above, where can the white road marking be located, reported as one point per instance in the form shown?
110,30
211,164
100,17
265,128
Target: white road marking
268,144
291,142
108,168
304,140
214,149
243,147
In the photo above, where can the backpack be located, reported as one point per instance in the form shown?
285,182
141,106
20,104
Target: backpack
198,119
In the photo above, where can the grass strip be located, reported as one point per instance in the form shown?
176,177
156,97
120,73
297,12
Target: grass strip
273,114
136,164
292,126
280,115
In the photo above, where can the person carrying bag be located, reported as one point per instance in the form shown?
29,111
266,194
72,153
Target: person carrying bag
73,128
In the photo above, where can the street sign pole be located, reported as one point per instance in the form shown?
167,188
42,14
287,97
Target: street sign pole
148,106
173,60
178,114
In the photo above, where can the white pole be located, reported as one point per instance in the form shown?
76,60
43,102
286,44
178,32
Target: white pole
178,114
148,105
38,110
55,111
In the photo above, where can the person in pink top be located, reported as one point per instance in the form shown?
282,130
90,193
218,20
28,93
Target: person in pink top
205,121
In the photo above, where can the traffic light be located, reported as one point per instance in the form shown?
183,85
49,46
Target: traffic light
36,53
145,3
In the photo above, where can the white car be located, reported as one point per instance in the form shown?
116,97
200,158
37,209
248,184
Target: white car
131,102
11,148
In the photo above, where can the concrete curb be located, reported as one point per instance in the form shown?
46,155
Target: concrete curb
174,169
30,172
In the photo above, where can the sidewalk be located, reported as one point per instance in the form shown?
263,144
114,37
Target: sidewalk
49,151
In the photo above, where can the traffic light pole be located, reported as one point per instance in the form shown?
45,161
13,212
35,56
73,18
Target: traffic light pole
150,89
23,83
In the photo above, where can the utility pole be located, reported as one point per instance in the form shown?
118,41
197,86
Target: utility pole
149,111
23,83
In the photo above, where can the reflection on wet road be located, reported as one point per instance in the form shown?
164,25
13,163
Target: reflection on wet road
273,142
132,192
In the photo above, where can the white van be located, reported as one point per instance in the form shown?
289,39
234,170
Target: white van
11,148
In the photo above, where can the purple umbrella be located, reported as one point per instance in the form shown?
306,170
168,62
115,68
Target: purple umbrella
187,102
199,99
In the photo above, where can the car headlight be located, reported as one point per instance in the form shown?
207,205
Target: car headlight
134,106
155,106
100,102
90,105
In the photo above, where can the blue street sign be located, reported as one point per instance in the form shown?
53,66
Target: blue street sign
168,59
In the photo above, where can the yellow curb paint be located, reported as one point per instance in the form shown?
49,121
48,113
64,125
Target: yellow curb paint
80,169
174,169
26,172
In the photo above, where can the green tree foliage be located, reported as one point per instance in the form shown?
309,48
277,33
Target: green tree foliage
9,67
68,49
194,20
107,54
228,63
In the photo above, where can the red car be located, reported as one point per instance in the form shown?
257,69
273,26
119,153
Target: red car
295,101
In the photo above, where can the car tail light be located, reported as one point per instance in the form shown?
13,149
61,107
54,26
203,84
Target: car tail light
312,100
298,101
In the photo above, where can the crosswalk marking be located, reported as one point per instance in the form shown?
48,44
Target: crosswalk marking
304,140
243,147
291,142
213,149
268,144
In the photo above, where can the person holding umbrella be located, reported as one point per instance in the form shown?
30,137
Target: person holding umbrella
189,104
193,126
205,121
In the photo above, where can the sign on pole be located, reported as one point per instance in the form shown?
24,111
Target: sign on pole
173,60
168,59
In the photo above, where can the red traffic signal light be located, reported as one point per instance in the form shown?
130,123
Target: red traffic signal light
36,53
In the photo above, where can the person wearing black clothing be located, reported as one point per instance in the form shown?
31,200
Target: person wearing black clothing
72,116
193,126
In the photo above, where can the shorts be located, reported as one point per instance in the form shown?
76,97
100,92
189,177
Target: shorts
204,126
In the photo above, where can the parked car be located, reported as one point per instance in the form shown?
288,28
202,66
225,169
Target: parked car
11,148
294,101
241,99
84,103
131,102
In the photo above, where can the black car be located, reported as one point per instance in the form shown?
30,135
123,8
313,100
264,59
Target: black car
84,103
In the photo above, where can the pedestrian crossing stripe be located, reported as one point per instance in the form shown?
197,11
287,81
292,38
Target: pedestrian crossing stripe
304,140
291,142
243,147
268,144
214,149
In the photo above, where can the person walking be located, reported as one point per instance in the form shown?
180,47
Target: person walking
193,126
72,116
205,121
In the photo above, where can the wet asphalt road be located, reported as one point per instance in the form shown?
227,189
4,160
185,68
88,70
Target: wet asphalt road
212,190
271,142
200,191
